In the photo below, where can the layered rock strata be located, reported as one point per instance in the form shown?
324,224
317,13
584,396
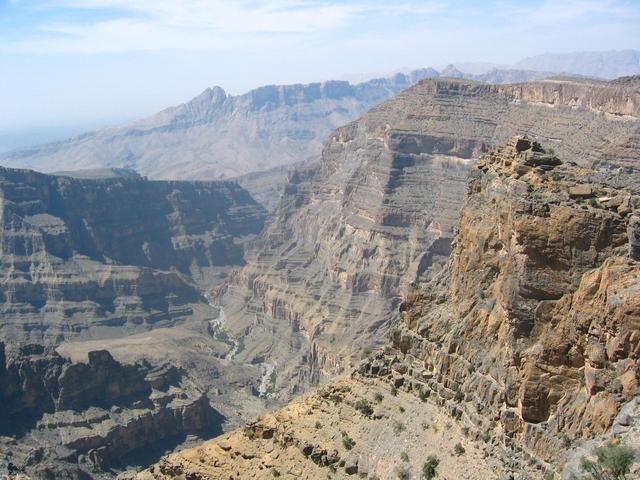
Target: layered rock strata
534,329
528,342
93,258
79,419
355,229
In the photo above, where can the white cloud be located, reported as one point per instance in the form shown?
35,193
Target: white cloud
140,25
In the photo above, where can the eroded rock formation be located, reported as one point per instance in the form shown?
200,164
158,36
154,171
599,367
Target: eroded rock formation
529,342
71,419
377,212
80,258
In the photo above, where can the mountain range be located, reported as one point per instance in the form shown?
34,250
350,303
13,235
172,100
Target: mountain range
216,135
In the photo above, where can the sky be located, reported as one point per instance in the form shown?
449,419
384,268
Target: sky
99,62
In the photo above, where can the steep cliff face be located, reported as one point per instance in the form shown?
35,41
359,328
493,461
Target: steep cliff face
72,419
524,348
536,322
81,256
377,212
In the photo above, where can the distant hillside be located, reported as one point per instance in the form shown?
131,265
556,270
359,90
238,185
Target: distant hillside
216,135
610,64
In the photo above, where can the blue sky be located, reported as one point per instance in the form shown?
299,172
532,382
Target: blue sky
70,62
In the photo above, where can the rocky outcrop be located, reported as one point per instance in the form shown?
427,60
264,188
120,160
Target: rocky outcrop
377,212
351,428
533,330
524,348
68,418
80,257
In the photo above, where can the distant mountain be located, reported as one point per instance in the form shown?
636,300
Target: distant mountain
609,64
216,135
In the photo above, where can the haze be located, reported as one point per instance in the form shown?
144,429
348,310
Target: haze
91,62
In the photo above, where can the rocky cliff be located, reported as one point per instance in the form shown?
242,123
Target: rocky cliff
378,211
75,420
523,349
87,258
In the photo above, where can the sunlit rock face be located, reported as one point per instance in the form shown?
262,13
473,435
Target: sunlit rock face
378,211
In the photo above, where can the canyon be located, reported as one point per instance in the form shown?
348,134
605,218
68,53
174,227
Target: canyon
525,347
462,258
377,213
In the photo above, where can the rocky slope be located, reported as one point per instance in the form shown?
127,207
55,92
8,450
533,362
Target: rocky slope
378,211
95,258
62,419
524,349
112,261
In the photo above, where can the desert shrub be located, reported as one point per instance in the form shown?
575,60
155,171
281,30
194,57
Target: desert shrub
424,394
401,408
404,457
394,390
363,407
318,425
458,449
275,473
430,467
348,442
566,441
613,462
378,397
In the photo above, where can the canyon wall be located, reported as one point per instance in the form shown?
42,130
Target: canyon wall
377,212
507,364
93,258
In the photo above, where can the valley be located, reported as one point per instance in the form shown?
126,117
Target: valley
452,272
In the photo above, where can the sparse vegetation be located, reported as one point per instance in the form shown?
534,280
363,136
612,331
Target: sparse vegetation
459,449
378,397
398,427
394,391
271,386
401,408
465,431
404,457
318,425
566,442
347,441
430,467
366,353
275,472
363,407
424,394
613,462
